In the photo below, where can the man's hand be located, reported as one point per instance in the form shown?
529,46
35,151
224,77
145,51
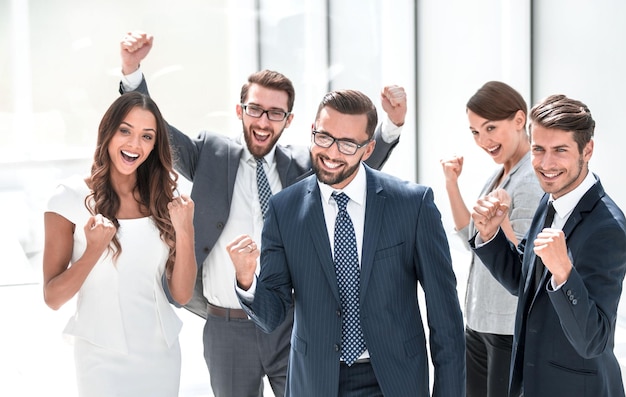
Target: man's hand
243,253
550,246
489,212
393,99
134,47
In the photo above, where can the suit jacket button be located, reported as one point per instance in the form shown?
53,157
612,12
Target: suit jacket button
337,348
338,313
206,250
574,301
568,292
220,225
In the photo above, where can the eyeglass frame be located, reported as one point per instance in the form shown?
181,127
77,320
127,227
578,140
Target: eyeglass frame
263,111
339,142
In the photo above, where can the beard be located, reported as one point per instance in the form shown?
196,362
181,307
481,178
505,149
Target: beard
259,150
332,178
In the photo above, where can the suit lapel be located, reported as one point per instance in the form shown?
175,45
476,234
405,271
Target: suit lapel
374,210
235,151
584,206
314,218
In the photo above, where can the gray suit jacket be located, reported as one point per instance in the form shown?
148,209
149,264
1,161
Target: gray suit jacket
403,244
489,307
210,162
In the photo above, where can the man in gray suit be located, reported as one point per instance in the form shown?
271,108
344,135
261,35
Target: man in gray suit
225,173
352,244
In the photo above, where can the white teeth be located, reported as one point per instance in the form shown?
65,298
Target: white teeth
261,133
133,155
493,148
331,164
550,175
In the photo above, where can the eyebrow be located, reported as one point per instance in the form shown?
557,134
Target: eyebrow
481,125
337,139
271,108
131,126
551,147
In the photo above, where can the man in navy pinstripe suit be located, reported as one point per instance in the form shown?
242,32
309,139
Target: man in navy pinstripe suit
400,243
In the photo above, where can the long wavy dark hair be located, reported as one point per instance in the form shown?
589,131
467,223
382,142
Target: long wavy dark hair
156,179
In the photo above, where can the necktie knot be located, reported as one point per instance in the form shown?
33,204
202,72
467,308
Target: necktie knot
342,200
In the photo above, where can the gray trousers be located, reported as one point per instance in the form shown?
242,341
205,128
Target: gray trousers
238,355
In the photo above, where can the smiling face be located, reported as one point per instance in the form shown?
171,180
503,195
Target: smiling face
330,165
133,141
505,141
558,163
261,134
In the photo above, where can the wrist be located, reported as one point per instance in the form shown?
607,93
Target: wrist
398,123
130,68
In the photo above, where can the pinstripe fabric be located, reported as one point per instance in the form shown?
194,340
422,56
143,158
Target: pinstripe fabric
404,244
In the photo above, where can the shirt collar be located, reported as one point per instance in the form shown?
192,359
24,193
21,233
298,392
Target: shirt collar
565,205
356,189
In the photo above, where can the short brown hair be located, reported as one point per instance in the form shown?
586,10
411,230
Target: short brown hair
563,113
272,80
351,102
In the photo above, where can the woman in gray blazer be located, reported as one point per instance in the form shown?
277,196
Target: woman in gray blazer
497,120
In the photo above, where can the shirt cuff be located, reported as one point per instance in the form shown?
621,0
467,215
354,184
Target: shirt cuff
246,296
478,241
553,285
390,132
130,82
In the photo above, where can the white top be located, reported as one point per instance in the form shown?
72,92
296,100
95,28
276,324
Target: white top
117,298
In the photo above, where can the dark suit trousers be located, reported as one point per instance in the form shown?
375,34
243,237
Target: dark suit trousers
488,360
358,380
238,356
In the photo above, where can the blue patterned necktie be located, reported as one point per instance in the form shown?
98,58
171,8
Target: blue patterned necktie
348,280
265,192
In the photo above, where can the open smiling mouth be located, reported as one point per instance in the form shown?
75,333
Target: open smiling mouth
550,175
332,165
261,136
494,150
129,157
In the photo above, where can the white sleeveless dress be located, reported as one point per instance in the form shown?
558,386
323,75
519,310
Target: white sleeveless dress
125,331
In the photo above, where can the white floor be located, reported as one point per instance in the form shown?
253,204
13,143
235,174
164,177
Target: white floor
36,361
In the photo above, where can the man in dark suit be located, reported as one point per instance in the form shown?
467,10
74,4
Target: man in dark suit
569,269
358,326
224,173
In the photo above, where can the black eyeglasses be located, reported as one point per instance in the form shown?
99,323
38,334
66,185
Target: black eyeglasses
257,112
324,140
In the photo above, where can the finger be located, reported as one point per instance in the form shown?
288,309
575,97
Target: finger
396,95
236,242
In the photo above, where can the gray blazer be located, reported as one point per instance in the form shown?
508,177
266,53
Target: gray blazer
210,162
489,307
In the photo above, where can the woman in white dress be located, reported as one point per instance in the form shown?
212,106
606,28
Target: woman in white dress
123,241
